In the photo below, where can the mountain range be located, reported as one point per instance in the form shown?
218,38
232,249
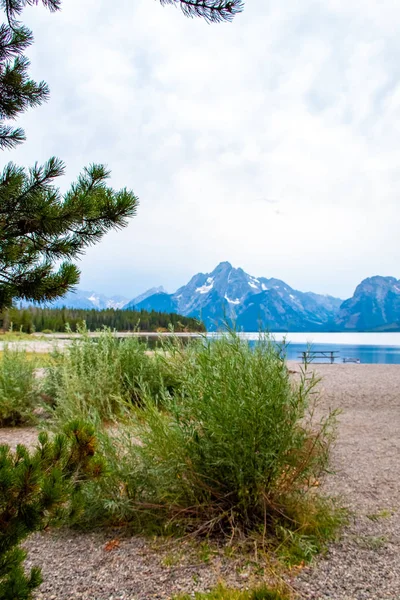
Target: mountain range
229,293
81,299
232,294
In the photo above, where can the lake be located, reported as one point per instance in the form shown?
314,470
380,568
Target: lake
371,348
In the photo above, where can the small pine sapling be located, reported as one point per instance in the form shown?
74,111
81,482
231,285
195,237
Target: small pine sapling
38,489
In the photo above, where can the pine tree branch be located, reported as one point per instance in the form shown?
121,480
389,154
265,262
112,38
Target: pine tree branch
39,227
9,137
13,8
17,91
213,11
13,43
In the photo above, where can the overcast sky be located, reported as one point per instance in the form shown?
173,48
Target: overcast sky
272,142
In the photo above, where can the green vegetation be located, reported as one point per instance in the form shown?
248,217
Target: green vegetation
13,336
223,593
233,448
42,232
104,377
371,542
39,489
382,514
19,393
212,437
208,437
39,227
33,319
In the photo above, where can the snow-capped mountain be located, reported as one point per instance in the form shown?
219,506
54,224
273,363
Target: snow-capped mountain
151,292
230,293
81,299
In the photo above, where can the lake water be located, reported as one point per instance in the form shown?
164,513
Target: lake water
368,347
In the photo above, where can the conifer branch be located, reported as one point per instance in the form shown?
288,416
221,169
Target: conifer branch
213,11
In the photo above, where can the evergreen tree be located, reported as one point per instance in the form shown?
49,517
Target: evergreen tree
37,489
38,226
35,318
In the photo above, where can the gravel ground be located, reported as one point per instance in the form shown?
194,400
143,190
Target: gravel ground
363,565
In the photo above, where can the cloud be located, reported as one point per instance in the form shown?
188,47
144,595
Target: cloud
297,103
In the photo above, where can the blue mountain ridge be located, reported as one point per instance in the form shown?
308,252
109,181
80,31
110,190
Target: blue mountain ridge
252,302
230,294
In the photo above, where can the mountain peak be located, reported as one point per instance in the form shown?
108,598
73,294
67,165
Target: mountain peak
147,294
223,266
375,304
379,280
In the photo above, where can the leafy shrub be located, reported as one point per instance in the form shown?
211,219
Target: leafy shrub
47,331
235,442
37,489
234,447
18,387
102,376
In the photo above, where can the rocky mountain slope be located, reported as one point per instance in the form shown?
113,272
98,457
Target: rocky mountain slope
374,305
232,294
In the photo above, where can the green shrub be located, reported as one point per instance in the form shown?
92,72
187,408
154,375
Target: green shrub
233,447
37,489
235,442
113,498
18,387
47,331
102,376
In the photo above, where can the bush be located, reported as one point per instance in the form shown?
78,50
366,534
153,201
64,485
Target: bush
102,376
235,442
18,388
234,448
38,489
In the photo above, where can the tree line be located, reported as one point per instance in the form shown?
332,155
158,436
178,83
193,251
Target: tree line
32,318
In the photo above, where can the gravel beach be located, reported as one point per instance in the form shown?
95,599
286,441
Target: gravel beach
363,565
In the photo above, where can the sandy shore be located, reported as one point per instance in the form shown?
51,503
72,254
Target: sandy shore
363,565
45,343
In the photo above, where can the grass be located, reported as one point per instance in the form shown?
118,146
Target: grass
172,559
41,359
382,514
235,446
371,542
223,593
14,336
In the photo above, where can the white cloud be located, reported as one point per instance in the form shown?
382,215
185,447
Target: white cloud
296,102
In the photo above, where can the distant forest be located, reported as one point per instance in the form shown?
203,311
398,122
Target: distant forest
33,319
